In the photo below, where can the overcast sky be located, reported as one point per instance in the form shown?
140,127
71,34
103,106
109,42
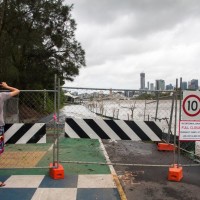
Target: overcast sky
123,38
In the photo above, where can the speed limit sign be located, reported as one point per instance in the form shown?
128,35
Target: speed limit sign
191,105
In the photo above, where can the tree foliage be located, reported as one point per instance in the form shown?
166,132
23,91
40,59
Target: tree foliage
37,40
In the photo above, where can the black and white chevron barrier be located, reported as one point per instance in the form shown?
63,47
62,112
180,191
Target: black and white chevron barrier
113,129
20,133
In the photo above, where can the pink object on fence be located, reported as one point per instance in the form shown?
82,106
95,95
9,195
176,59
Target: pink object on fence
55,117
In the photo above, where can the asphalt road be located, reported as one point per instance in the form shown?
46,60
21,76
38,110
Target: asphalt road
150,183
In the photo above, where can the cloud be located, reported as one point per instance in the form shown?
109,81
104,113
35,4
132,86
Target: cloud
124,38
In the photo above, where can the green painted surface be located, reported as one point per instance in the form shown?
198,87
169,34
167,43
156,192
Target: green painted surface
85,150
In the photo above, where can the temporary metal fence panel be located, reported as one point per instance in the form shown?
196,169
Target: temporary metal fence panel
120,104
128,105
30,130
43,106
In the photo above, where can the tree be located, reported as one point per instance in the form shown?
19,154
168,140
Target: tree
37,40
3,4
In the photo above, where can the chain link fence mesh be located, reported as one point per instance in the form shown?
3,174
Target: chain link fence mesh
39,106
30,107
163,106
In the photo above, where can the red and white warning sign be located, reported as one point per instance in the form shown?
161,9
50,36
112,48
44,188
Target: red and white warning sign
191,105
189,130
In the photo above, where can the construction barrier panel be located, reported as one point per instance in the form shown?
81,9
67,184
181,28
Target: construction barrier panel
113,129
20,133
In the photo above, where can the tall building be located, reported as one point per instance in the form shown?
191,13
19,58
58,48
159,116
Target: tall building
194,84
148,85
160,84
189,84
152,86
169,87
184,85
142,81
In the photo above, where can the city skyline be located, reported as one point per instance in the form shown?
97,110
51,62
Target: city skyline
160,84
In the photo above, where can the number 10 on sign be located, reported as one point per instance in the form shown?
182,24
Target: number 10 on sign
191,105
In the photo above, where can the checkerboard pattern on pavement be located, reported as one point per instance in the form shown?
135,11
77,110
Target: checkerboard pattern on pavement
72,187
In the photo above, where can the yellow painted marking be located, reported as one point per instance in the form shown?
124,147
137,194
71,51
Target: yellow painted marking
119,187
12,159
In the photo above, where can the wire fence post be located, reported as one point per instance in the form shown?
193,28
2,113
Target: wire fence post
58,120
157,103
55,111
145,105
175,122
170,120
180,106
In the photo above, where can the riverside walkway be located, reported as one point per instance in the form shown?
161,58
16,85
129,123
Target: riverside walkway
81,182
95,181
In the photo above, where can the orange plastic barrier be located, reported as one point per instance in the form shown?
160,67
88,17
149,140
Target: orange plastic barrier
165,147
175,173
56,173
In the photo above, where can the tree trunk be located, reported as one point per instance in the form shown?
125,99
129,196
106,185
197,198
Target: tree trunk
2,15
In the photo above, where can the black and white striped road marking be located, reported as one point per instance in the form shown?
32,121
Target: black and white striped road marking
20,133
113,129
